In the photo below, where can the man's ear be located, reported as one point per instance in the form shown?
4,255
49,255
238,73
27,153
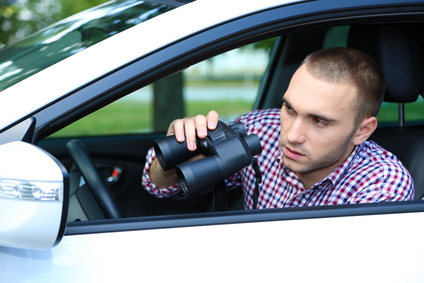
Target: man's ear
365,130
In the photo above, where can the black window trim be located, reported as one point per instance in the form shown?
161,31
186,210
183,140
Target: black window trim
239,217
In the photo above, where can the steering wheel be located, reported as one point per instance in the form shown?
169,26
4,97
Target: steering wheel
96,183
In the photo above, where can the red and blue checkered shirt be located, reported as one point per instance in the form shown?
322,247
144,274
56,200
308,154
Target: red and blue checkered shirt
370,174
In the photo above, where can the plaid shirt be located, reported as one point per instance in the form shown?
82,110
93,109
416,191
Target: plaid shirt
370,174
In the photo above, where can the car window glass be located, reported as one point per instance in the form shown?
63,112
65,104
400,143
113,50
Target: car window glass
70,36
336,37
413,111
227,83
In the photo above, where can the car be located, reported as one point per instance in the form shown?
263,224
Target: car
89,95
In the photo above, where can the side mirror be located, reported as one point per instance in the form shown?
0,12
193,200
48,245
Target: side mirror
34,195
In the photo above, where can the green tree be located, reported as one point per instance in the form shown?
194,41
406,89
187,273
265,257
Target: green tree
168,102
20,18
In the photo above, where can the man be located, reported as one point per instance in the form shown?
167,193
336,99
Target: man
315,148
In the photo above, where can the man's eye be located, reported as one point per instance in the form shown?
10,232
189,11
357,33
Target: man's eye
288,108
319,123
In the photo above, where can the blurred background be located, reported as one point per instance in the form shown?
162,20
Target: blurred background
20,18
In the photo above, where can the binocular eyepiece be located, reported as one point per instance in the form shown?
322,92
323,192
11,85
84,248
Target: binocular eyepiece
228,149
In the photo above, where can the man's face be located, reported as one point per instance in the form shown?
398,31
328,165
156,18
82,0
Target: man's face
317,125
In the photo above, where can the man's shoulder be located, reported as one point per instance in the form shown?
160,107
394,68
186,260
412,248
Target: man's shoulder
381,173
372,154
372,149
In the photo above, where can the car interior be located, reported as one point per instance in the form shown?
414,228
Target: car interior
397,48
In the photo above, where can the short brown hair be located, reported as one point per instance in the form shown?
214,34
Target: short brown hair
347,65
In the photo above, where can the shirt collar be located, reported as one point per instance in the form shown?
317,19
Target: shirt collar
288,175
340,171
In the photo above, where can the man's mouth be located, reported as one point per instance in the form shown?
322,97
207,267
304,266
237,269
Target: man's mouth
291,153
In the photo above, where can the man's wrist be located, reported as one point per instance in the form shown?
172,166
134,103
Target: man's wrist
160,178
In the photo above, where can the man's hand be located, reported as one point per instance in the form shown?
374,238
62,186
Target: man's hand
187,128
183,129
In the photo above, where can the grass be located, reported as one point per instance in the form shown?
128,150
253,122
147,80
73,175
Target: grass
131,117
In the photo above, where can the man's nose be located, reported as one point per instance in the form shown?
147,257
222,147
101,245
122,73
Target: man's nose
296,132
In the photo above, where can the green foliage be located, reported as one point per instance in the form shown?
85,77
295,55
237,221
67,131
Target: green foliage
70,7
266,44
20,18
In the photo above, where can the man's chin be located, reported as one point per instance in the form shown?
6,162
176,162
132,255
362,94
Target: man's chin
292,165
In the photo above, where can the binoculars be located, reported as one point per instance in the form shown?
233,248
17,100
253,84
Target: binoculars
228,149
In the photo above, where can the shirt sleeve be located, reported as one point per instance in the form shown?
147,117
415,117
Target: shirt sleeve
173,191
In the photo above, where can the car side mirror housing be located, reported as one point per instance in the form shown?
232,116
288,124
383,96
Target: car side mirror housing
34,196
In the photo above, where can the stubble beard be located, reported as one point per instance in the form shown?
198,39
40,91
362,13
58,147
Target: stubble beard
330,158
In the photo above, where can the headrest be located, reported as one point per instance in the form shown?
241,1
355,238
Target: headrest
399,51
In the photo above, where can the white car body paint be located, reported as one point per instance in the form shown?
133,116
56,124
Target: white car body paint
342,249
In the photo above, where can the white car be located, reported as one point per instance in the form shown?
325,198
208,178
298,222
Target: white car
113,77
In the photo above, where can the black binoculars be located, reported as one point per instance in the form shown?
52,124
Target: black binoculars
228,149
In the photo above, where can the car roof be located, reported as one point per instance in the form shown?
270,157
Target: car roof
62,78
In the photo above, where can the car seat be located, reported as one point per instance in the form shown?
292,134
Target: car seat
399,51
